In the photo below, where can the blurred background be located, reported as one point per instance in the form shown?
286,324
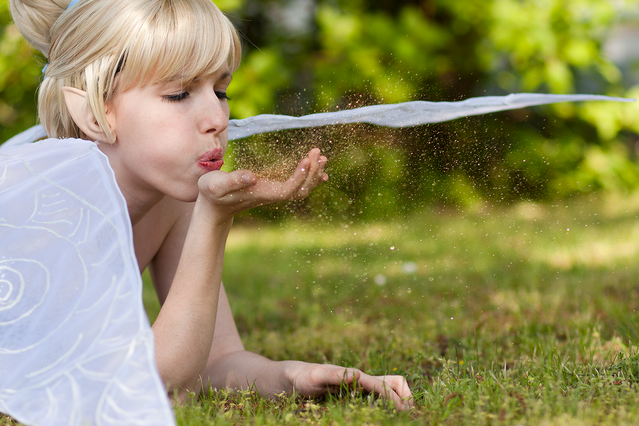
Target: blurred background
307,56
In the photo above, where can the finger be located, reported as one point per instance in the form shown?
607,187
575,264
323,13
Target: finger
319,175
382,388
398,383
220,184
323,161
295,182
240,180
371,384
400,386
315,174
316,170
314,156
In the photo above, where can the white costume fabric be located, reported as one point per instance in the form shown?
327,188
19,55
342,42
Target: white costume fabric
404,114
391,115
76,347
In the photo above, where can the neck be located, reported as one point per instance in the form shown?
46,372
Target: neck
139,206
140,198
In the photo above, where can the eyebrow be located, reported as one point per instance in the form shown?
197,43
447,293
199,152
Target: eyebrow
227,75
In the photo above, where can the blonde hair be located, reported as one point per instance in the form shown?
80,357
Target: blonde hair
139,41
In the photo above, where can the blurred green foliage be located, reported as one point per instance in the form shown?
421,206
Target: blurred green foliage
304,56
20,70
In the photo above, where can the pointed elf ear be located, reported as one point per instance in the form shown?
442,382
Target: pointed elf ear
83,117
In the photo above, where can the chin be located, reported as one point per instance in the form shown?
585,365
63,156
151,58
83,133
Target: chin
189,199
185,196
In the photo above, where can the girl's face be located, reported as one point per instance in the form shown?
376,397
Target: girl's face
168,135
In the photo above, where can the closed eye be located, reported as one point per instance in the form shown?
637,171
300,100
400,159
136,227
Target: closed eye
177,97
222,95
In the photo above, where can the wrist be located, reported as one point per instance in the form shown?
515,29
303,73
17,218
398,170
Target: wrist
291,371
208,212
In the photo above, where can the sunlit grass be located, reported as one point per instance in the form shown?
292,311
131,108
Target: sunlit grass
517,314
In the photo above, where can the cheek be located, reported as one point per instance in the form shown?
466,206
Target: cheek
140,125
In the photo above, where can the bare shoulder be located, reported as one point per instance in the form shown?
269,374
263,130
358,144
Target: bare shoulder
150,233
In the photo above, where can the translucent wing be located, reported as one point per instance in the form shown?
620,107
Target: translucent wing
76,347
404,114
393,115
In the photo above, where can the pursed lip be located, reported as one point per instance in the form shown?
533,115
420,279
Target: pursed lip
212,160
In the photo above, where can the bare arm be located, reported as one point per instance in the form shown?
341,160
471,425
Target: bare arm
197,342
184,328
246,370
230,366
190,287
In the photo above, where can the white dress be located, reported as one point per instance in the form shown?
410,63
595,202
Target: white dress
76,347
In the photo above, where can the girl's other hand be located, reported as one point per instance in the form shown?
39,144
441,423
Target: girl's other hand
230,193
318,379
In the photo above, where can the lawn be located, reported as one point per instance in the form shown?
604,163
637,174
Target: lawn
520,314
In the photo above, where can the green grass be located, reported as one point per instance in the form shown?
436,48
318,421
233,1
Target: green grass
498,315
520,315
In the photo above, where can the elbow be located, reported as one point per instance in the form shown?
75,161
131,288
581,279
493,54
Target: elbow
180,392
181,384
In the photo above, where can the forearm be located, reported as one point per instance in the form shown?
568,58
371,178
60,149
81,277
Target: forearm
246,370
185,326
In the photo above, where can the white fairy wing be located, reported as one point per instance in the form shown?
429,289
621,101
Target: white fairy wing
76,347
31,134
404,114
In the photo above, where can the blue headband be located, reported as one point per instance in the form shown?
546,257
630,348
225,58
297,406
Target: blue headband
73,3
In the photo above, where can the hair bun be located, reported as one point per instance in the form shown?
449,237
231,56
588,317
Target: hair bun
34,19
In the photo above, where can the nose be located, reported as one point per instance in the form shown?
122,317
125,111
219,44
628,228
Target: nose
214,114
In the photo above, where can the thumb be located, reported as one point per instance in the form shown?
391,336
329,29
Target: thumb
220,183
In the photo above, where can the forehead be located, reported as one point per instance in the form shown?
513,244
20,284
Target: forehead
191,46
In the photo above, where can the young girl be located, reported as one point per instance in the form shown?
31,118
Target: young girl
146,80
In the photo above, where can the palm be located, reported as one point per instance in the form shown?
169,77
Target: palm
234,192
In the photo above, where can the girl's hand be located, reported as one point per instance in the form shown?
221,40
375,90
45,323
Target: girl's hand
317,379
231,193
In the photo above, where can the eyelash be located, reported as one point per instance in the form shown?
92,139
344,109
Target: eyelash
183,95
177,97
222,95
